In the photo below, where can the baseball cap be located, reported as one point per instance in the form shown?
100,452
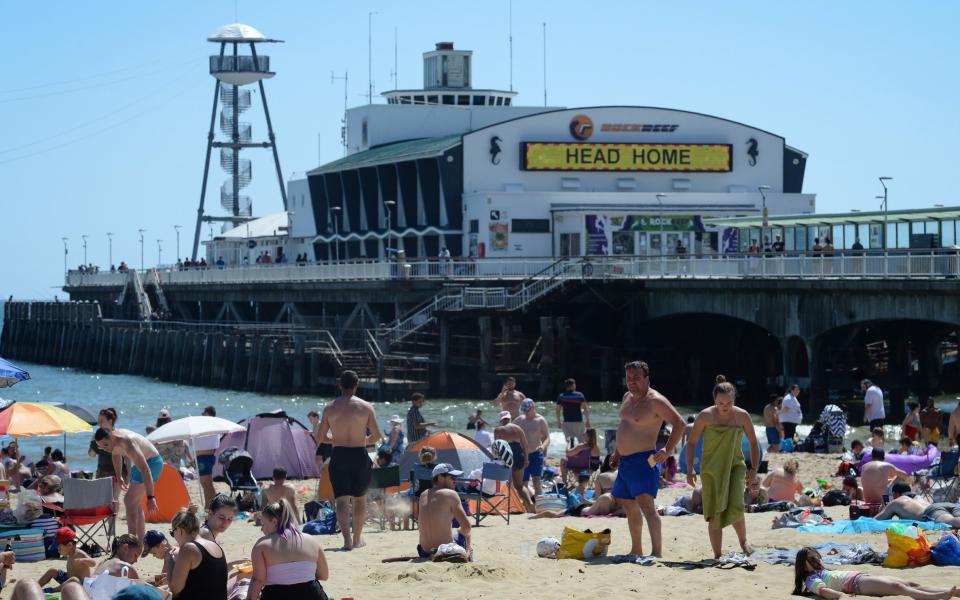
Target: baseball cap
164,413
446,469
151,539
526,405
504,414
140,591
65,534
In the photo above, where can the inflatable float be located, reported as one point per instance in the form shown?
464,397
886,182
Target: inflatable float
908,462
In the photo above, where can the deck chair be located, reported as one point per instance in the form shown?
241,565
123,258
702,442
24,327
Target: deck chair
944,485
380,479
501,474
88,508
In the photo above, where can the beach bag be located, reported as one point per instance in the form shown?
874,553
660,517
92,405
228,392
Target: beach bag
551,502
324,524
836,498
946,552
29,507
583,544
907,547
104,585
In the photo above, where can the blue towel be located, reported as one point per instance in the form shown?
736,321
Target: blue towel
867,525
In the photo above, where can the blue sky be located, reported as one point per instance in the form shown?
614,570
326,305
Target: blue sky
106,104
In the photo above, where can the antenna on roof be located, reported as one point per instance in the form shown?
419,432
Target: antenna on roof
370,57
511,44
343,126
395,74
544,63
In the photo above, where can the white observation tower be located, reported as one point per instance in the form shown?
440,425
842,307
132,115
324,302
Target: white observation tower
232,71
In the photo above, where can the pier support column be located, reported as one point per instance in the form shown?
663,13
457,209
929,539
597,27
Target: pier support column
486,356
298,357
548,352
442,376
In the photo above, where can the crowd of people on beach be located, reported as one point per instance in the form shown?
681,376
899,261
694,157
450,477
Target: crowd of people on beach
623,476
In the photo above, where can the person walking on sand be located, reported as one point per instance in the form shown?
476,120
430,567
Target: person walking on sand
771,422
642,414
512,434
538,441
510,397
722,466
791,414
147,465
573,413
354,425
874,412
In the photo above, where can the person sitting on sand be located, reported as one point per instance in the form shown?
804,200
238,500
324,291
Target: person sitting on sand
156,545
856,450
200,572
79,564
287,565
876,440
811,576
220,516
438,507
28,589
124,553
604,483
583,456
280,489
877,476
907,507
782,484
851,485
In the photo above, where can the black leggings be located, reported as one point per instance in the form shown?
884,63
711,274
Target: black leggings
308,590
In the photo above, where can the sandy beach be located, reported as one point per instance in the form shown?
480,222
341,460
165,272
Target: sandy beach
506,565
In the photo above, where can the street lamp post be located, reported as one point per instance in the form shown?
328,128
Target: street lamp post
660,198
159,253
883,181
66,252
142,231
84,238
389,204
110,246
763,224
177,229
335,211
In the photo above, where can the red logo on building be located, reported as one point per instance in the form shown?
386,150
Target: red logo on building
581,127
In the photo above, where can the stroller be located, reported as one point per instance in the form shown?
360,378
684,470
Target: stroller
835,420
238,473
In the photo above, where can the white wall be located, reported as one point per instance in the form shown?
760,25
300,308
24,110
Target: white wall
301,208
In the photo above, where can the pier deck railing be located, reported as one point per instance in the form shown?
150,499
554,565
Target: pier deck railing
907,264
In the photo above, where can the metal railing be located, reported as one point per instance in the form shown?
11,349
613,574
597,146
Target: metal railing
926,264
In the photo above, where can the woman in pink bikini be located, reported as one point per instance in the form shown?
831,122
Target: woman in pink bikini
286,564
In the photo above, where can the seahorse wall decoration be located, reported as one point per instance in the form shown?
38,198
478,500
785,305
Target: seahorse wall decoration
752,152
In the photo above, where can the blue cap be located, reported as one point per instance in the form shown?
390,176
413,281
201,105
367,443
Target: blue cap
526,405
138,592
151,539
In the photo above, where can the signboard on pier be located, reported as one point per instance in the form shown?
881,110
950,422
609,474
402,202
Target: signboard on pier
686,158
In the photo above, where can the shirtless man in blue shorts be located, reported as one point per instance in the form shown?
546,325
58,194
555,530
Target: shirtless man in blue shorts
642,413
144,474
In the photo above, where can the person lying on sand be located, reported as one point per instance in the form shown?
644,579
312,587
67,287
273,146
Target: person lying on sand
604,505
918,509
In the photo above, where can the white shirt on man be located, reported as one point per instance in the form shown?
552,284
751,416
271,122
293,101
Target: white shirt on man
873,403
790,411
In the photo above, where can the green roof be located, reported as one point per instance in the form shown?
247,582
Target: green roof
893,216
391,153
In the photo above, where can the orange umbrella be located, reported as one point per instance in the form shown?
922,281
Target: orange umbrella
26,419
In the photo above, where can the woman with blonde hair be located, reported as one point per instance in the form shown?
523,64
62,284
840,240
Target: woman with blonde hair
782,484
286,564
200,572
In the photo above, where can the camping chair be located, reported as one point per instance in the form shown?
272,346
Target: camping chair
88,508
380,479
500,474
943,480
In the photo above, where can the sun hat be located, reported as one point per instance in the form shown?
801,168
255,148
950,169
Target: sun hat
395,419
504,414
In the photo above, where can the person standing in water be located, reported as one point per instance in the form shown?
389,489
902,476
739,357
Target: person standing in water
722,464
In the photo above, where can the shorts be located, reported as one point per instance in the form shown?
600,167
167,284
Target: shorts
324,451
350,471
773,436
519,457
938,510
205,464
156,469
931,436
911,432
636,477
852,585
574,429
308,590
458,540
534,466
61,576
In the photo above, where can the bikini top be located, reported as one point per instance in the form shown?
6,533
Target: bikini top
292,572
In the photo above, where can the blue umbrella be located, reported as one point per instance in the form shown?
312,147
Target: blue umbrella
11,374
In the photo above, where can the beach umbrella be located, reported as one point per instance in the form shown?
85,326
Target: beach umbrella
11,374
78,411
26,419
189,428
460,451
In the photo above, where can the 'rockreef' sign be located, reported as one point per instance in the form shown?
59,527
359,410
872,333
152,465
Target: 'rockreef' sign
559,156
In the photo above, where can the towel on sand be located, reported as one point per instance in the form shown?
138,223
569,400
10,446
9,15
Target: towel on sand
723,472
868,525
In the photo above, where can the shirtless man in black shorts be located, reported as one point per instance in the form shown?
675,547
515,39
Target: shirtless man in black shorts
354,425
515,436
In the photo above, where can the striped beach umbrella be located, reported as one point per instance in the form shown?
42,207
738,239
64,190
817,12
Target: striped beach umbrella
10,374
26,419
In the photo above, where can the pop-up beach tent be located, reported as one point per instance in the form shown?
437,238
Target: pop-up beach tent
274,440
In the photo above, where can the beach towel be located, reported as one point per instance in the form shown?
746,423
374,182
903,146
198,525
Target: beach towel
723,472
832,554
867,525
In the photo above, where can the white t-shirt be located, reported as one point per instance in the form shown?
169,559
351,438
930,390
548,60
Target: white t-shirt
790,411
873,403
484,438
207,442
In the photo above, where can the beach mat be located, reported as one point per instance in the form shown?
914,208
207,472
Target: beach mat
868,525
171,495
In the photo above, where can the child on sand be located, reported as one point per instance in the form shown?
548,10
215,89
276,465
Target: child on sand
811,576
79,563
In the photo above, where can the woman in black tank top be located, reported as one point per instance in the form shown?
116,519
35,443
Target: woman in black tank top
199,573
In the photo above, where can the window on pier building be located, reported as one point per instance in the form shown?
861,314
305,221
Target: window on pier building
903,235
948,236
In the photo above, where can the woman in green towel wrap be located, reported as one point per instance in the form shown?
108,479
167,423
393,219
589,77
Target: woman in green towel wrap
722,466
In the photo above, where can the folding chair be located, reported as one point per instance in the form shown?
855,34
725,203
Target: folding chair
88,508
501,475
381,479
943,480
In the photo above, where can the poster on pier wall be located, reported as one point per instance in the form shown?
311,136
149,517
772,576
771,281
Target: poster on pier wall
730,243
599,234
499,231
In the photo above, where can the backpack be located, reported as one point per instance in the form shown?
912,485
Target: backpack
846,468
836,498
324,524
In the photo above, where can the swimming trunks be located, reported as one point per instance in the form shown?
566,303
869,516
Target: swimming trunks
155,463
205,464
939,510
519,458
324,450
350,471
931,436
61,576
458,540
773,435
534,465
636,476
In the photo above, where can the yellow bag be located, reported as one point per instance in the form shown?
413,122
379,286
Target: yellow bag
908,547
583,544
